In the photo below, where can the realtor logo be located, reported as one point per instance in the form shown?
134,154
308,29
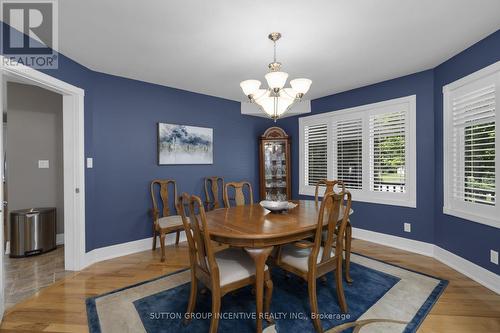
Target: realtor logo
29,33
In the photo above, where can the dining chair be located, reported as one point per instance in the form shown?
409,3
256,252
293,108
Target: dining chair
239,196
212,192
221,272
331,186
312,260
164,223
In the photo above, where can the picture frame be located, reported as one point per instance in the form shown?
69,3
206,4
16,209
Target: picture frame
184,144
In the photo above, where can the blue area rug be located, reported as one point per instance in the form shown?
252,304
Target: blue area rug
159,305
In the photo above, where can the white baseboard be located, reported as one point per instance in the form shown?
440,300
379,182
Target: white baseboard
118,250
426,249
475,272
481,275
59,239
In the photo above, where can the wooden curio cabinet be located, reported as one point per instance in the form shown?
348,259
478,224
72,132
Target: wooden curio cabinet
275,165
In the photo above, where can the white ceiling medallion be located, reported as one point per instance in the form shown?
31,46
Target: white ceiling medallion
276,100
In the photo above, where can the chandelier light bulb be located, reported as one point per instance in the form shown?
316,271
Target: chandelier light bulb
259,94
288,93
266,103
250,87
276,80
301,86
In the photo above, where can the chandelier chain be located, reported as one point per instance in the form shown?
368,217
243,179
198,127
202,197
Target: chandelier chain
274,42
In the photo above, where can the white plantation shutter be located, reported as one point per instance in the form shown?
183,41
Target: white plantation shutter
471,159
348,152
473,146
387,133
371,148
315,153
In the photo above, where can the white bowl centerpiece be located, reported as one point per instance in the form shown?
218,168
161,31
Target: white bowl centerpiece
277,206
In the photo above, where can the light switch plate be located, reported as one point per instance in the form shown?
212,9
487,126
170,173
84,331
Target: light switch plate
43,164
494,256
90,162
407,227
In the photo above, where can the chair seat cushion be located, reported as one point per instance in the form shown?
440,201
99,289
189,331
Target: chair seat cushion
234,265
298,258
170,221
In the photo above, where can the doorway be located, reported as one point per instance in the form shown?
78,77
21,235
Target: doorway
73,161
33,185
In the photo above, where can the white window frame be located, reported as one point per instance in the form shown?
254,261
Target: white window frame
407,199
470,211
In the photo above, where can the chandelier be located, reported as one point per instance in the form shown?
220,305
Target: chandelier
275,100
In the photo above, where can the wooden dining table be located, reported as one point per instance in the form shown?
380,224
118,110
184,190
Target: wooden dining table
258,230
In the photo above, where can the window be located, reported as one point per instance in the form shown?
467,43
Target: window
387,152
315,153
470,141
348,147
371,148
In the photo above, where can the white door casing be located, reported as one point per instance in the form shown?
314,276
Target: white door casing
74,158
3,96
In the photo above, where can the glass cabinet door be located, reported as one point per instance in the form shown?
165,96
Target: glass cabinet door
275,170
274,158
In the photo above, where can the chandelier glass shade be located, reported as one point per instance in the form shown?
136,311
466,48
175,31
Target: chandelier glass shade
276,99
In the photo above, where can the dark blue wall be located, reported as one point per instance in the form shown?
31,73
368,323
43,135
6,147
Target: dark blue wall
121,135
125,113
469,240
385,218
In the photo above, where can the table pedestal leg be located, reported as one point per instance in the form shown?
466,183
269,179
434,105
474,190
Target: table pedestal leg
259,255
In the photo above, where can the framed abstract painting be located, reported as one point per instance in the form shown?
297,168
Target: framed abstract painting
180,144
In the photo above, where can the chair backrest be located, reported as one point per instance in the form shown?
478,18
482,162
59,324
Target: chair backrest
194,219
160,197
331,207
239,196
212,191
329,187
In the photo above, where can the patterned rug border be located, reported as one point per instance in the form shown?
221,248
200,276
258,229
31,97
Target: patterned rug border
424,310
93,316
413,325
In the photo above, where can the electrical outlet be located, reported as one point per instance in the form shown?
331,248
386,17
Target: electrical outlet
90,162
43,164
494,256
407,227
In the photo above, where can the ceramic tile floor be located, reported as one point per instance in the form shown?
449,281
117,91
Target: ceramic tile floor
24,277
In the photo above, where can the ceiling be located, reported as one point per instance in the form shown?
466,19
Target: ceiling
210,46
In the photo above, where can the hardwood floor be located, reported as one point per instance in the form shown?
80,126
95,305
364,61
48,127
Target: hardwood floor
465,306
24,277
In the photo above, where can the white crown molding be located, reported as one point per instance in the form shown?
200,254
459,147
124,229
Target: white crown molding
123,249
475,272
